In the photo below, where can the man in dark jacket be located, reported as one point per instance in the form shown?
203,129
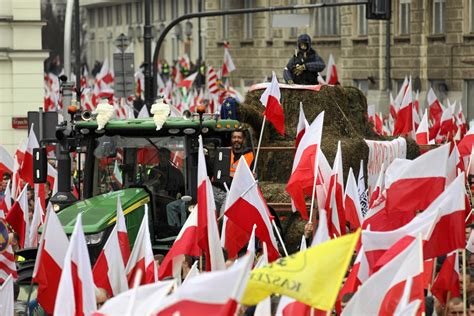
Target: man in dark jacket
304,66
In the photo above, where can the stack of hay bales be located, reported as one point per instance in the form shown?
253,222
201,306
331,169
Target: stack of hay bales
345,119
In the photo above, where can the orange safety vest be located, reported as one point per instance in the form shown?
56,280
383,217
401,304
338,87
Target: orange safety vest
233,164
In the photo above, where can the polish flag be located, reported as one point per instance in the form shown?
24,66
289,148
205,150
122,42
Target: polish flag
448,279
322,182
185,244
393,107
273,110
353,282
18,217
6,162
305,166
440,225
322,233
200,297
352,203
301,127
335,200
414,184
36,222
207,231
233,238
109,270
436,110
466,143
76,291
447,127
422,133
122,233
382,292
50,260
228,65
117,174
245,206
52,178
404,121
105,75
6,297
401,94
188,81
26,169
141,257
331,76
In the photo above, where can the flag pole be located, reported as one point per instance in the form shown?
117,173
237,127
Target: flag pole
259,143
279,237
464,293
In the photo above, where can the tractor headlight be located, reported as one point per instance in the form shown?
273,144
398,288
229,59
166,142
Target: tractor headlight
94,239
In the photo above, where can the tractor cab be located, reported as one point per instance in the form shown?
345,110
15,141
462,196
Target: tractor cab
131,160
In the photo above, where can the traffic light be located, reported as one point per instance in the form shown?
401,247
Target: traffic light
379,10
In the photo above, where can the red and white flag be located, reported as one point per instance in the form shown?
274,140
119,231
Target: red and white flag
122,233
271,101
423,133
184,244
301,127
393,107
207,230
7,301
106,75
6,162
228,65
245,206
109,269
412,185
335,199
50,260
117,175
351,202
331,75
211,79
436,109
7,265
448,279
26,169
305,166
18,217
188,81
76,291
381,293
448,123
36,222
401,94
466,143
141,258
404,121
199,295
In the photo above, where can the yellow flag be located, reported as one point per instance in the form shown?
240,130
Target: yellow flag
313,276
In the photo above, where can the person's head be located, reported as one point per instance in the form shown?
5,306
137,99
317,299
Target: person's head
237,140
101,296
14,239
304,42
345,299
454,307
6,177
470,306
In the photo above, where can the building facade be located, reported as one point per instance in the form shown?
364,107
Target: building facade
21,65
430,40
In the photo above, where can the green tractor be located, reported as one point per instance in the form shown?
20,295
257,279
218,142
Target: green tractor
137,150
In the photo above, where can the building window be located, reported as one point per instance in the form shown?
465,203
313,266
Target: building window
188,6
138,8
362,85
248,20
128,13
440,88
109,16
327,20
225,20
404,17
439,7
101,51
162,10
362,20
91,14
174,9
100,17
118,14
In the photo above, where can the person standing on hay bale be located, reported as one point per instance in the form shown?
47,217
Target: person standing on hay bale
304,66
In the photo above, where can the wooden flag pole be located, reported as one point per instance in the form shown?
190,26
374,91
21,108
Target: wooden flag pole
464,292
279,237
259,143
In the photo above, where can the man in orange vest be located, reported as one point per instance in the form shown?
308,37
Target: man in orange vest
238,141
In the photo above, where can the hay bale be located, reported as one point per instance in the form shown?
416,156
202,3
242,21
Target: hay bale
345,119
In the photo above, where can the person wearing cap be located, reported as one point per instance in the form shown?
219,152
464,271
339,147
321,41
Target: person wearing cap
304,66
